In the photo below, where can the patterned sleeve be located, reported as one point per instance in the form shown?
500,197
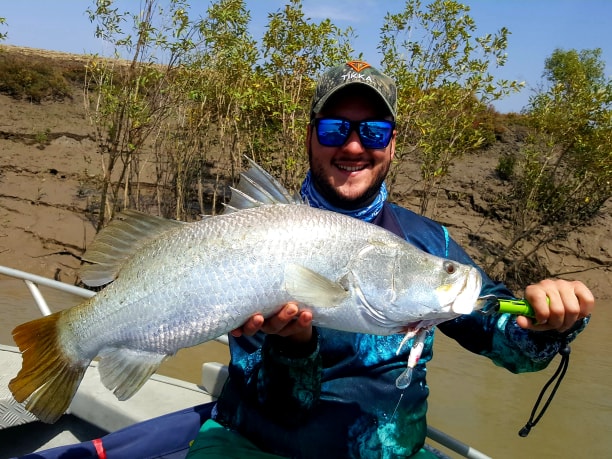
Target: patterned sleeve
499,338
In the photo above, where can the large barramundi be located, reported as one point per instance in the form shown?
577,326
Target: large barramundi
178,284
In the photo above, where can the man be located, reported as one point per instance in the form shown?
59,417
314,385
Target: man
298,391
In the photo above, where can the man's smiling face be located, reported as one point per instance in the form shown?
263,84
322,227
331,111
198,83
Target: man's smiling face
349,176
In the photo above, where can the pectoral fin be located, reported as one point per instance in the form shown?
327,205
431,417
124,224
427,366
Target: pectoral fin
311,288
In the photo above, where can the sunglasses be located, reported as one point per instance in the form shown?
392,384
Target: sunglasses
333,132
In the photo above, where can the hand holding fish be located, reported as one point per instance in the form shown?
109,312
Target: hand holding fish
289,322
557,304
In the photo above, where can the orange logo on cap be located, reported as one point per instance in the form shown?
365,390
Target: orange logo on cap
358,66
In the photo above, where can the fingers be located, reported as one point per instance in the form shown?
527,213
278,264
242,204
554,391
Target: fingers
557,304
288,322
278,322
585,299
250,327
300,329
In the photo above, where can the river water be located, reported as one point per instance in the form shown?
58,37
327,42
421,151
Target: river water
471,399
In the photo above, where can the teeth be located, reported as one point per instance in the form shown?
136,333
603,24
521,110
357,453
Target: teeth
349,168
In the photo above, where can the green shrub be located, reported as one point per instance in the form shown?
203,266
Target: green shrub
505,167
35,80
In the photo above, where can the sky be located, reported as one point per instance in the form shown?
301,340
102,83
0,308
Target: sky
537,27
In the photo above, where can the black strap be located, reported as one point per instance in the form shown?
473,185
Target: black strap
560,373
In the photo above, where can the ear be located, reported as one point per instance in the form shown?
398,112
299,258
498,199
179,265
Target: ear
392,144
308,135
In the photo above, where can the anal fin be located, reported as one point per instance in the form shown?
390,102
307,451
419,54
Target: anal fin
124,371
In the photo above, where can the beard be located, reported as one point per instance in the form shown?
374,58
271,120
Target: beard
323,185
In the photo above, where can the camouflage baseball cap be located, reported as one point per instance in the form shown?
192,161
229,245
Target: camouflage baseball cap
354,72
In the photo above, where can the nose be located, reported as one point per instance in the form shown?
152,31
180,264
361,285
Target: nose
353,143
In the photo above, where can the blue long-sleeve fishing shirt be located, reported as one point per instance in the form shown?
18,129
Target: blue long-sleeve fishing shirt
337,396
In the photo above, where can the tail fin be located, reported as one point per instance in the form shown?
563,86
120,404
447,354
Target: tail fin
47,375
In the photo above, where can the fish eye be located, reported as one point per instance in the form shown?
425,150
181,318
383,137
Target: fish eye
449,267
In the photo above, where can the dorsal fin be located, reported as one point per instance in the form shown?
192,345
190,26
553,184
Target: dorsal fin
257,187
119,241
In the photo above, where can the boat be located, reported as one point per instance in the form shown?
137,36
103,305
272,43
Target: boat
159,421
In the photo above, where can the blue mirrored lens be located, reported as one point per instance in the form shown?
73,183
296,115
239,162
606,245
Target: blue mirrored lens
333,132
375,134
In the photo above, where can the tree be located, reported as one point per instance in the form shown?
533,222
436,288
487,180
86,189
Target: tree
218,83
3,35
565,170
295,49
129,99
444,83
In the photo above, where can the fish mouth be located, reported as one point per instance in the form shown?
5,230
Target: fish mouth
453,302
466,300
